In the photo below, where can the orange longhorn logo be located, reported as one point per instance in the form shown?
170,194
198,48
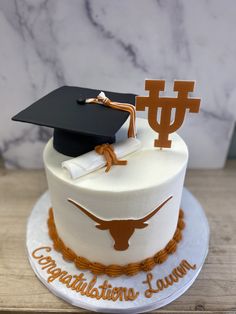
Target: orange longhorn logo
120,230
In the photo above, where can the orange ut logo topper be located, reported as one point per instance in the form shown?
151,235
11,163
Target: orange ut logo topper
181,103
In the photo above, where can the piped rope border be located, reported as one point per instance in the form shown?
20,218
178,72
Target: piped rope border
115,270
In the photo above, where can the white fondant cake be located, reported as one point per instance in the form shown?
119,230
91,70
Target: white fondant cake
126,192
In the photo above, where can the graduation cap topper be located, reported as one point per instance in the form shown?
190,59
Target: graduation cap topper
80,125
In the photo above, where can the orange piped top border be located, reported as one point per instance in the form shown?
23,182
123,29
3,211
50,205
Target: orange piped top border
115,270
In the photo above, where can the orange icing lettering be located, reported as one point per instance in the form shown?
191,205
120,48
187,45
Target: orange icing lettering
46,248
79,284
176,274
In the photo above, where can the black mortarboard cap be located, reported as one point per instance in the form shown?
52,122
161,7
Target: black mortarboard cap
78,127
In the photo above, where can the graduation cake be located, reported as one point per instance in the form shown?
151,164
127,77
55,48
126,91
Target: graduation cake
115,192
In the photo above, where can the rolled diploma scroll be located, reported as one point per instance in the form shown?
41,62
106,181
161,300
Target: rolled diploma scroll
91,161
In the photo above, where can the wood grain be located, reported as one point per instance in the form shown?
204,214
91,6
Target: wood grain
213,292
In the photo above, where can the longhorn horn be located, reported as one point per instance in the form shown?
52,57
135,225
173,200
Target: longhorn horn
150,215
86,212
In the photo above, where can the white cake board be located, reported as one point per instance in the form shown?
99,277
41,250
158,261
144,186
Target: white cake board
193,248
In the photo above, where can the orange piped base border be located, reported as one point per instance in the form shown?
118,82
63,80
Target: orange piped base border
115,270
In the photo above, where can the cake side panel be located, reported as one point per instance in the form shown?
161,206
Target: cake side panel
79,231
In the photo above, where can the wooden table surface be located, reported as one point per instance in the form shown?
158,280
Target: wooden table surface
213,291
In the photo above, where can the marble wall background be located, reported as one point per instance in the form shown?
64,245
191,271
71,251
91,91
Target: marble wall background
116,45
